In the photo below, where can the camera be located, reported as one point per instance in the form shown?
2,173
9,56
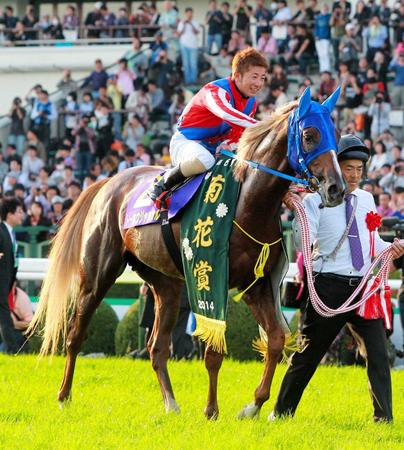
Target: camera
379,99
393,224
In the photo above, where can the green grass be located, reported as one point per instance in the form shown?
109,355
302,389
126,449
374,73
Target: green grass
117,405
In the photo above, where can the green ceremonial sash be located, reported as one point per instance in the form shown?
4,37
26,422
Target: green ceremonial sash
205,231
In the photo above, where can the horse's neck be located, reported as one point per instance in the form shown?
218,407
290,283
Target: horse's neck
261,196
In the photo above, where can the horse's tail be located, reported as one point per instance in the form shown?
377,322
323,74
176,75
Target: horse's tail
60,289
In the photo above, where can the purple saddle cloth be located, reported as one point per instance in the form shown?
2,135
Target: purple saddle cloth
142,211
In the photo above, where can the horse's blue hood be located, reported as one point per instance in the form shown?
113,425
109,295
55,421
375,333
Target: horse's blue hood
311,114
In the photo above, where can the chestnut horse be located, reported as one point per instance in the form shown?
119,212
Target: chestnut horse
91,250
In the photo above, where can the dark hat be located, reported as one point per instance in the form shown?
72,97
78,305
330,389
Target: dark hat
351,147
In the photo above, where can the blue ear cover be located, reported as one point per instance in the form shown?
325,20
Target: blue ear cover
304,103
331,101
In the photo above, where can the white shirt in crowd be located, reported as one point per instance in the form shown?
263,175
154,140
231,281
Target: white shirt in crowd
281,31
377,161
188,38
32,165
327,225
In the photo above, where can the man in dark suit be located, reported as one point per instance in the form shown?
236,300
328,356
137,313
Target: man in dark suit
11,214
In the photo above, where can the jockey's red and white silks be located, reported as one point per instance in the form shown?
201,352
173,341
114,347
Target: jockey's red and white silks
217,113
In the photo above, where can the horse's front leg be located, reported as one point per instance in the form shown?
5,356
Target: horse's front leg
213,362
260,301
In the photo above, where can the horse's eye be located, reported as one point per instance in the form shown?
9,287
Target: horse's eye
310,139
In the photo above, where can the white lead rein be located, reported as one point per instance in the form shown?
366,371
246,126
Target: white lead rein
323,310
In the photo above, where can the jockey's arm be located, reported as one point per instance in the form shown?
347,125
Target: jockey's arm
217,101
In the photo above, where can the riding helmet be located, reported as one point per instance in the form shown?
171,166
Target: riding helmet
351,147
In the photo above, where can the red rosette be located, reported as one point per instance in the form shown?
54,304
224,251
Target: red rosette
373,221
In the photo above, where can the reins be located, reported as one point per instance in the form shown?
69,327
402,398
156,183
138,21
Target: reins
259,166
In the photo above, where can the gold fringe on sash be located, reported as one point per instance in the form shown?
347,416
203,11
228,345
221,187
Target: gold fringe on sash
295,342
212,332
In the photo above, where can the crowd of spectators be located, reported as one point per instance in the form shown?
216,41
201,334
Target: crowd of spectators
99,23
124,116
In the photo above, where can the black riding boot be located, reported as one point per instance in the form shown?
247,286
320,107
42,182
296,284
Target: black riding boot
170,179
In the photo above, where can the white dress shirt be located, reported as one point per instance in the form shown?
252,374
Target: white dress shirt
327,225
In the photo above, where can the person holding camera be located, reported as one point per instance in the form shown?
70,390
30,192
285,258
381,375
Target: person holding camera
394,179
17,132
350,47
214,21
396,223
188,31
379,112
344,257
85,145
43,112
337,23
376,36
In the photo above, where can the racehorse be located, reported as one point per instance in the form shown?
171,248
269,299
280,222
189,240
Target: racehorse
92,249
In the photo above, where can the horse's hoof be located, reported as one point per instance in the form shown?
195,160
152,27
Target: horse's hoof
63,404
272,417
172,407
250,411
64,399
211,414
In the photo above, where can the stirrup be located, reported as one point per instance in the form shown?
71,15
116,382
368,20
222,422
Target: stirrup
163,200
157,190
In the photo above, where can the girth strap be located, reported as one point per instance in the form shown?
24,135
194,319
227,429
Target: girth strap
169,240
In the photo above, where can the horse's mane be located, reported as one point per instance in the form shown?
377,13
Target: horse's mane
253,136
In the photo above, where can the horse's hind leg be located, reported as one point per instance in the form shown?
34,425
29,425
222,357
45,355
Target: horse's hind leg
260,302
98,277
167,300
213,362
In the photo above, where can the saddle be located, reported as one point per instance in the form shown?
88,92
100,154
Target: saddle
142,210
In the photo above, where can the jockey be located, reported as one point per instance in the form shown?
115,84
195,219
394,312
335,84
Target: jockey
215,118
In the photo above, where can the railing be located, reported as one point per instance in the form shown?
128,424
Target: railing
31,248
79,35
111,34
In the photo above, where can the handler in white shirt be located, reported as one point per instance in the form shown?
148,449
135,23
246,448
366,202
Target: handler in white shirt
335,281
327,225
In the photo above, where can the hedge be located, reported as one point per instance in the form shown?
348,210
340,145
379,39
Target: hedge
241,330
101,333
127,332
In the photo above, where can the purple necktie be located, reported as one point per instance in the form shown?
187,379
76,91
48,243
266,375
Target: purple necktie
353,236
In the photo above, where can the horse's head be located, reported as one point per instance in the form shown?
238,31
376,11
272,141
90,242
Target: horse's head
312,147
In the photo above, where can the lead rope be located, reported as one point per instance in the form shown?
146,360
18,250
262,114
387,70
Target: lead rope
323,310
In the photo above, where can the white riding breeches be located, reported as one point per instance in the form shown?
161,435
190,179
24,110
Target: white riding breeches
183,149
